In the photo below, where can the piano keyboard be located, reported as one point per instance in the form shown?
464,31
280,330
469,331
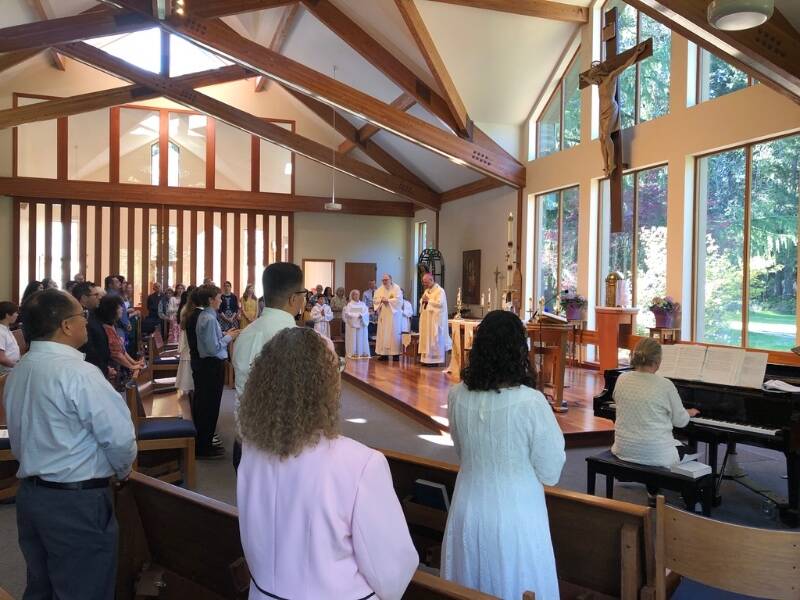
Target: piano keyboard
734,426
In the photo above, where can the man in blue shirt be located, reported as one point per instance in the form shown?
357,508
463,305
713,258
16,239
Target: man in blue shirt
208,348
71,432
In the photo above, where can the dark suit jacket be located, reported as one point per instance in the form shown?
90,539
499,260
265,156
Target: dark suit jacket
96,347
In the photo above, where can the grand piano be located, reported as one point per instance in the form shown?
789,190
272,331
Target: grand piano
733,415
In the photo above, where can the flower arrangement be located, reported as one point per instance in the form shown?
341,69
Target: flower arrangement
569,299
664,305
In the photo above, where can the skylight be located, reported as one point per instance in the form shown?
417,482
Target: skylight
143,49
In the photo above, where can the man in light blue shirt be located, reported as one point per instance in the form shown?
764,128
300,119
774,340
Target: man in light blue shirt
70,431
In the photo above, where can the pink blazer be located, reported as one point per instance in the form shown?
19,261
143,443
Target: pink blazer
324,524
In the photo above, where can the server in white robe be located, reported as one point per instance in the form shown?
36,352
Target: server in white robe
355,315
322,315
434,338
408,312
387,301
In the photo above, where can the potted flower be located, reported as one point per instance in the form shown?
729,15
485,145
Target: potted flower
664,309
573,304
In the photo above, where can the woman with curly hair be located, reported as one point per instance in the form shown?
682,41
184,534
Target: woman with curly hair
497,537
318,514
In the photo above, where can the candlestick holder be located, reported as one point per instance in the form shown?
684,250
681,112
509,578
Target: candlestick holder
459,306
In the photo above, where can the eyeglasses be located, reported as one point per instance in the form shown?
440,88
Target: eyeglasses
300,292
84,313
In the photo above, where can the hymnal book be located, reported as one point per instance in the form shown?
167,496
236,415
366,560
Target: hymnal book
552,318
725,366
692,469
753,369
431,494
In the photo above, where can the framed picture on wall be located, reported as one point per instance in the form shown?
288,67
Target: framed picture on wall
471,277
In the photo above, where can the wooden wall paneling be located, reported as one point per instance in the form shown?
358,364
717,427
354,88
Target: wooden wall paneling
255,164
98,245
48,239
145,233
179,244
113,146
161,263
15,144
32,209
278,238
224,275
131,246
15,234
291,238
82,239
193,249
62,152
267,240
251,246
237,254
211,153
520,197
66,241
163,148
208,239
115,237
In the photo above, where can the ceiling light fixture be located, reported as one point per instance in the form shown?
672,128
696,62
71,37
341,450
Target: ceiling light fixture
333,205
736,15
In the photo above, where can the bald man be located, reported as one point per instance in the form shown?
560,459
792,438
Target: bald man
434,339
387,301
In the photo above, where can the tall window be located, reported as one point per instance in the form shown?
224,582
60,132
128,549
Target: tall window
557,214
173,167
717,77
747,245
559,126
639,251
644,87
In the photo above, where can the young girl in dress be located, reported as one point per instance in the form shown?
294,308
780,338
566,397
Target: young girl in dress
173,302
249,307
356,319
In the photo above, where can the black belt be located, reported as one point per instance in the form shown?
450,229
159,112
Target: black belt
89,484
266,593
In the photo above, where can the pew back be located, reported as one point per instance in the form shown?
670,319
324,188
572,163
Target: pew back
601,546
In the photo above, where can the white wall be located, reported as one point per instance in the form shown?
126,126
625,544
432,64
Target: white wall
355,238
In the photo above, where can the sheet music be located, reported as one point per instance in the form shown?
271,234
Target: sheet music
669,361
754,367
723,365
3,433
780,386
690,361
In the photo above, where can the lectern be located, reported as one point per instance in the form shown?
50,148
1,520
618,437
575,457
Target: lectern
614,327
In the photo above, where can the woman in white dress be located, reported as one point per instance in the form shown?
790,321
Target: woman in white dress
497,537
184,382
356,319
322,316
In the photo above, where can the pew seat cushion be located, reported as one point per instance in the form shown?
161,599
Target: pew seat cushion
162,428
5,443
166,360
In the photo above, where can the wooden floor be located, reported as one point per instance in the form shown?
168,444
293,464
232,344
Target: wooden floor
421,393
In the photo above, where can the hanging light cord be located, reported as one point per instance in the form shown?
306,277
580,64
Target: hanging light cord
333,171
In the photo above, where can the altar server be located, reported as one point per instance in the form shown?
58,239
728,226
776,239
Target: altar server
322,315
388,303
434,339
408,312
356,320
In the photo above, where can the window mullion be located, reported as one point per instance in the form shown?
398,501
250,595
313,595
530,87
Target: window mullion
635,239
637,92
748,177
560,239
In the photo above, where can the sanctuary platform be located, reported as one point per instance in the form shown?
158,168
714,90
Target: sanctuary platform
421,393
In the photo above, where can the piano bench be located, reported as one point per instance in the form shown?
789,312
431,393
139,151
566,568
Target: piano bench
655,478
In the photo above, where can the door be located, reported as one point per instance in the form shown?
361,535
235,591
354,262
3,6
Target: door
358,275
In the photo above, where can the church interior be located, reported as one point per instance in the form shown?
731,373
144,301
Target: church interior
613,173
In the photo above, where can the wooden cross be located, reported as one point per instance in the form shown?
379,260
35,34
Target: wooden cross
605,76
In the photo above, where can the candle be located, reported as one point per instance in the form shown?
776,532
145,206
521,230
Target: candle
489,305
530,305
510,221
483,299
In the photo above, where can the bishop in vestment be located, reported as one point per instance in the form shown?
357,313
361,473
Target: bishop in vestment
387,301
434,339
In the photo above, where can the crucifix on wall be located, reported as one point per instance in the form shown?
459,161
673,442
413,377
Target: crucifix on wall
605,76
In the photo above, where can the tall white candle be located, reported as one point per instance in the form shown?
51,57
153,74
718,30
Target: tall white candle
483,299
510,222
490,299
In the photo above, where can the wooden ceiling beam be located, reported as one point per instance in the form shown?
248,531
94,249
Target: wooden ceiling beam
33,187
470,189
250,123
544,9
350,133
64,107
487,159
11,59
40,11
209,9
87,25
285,26
402,102
433,59
769,53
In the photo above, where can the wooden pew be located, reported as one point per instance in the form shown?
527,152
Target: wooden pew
602,547
164,538
8,464
164,363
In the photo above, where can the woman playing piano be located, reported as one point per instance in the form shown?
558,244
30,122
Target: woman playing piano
648,407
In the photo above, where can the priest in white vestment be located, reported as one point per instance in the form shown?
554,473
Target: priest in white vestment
355,315
434,338
322,315
387,301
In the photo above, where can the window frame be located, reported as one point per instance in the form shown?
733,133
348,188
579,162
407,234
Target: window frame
746,234
558,87
538,248
701,52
